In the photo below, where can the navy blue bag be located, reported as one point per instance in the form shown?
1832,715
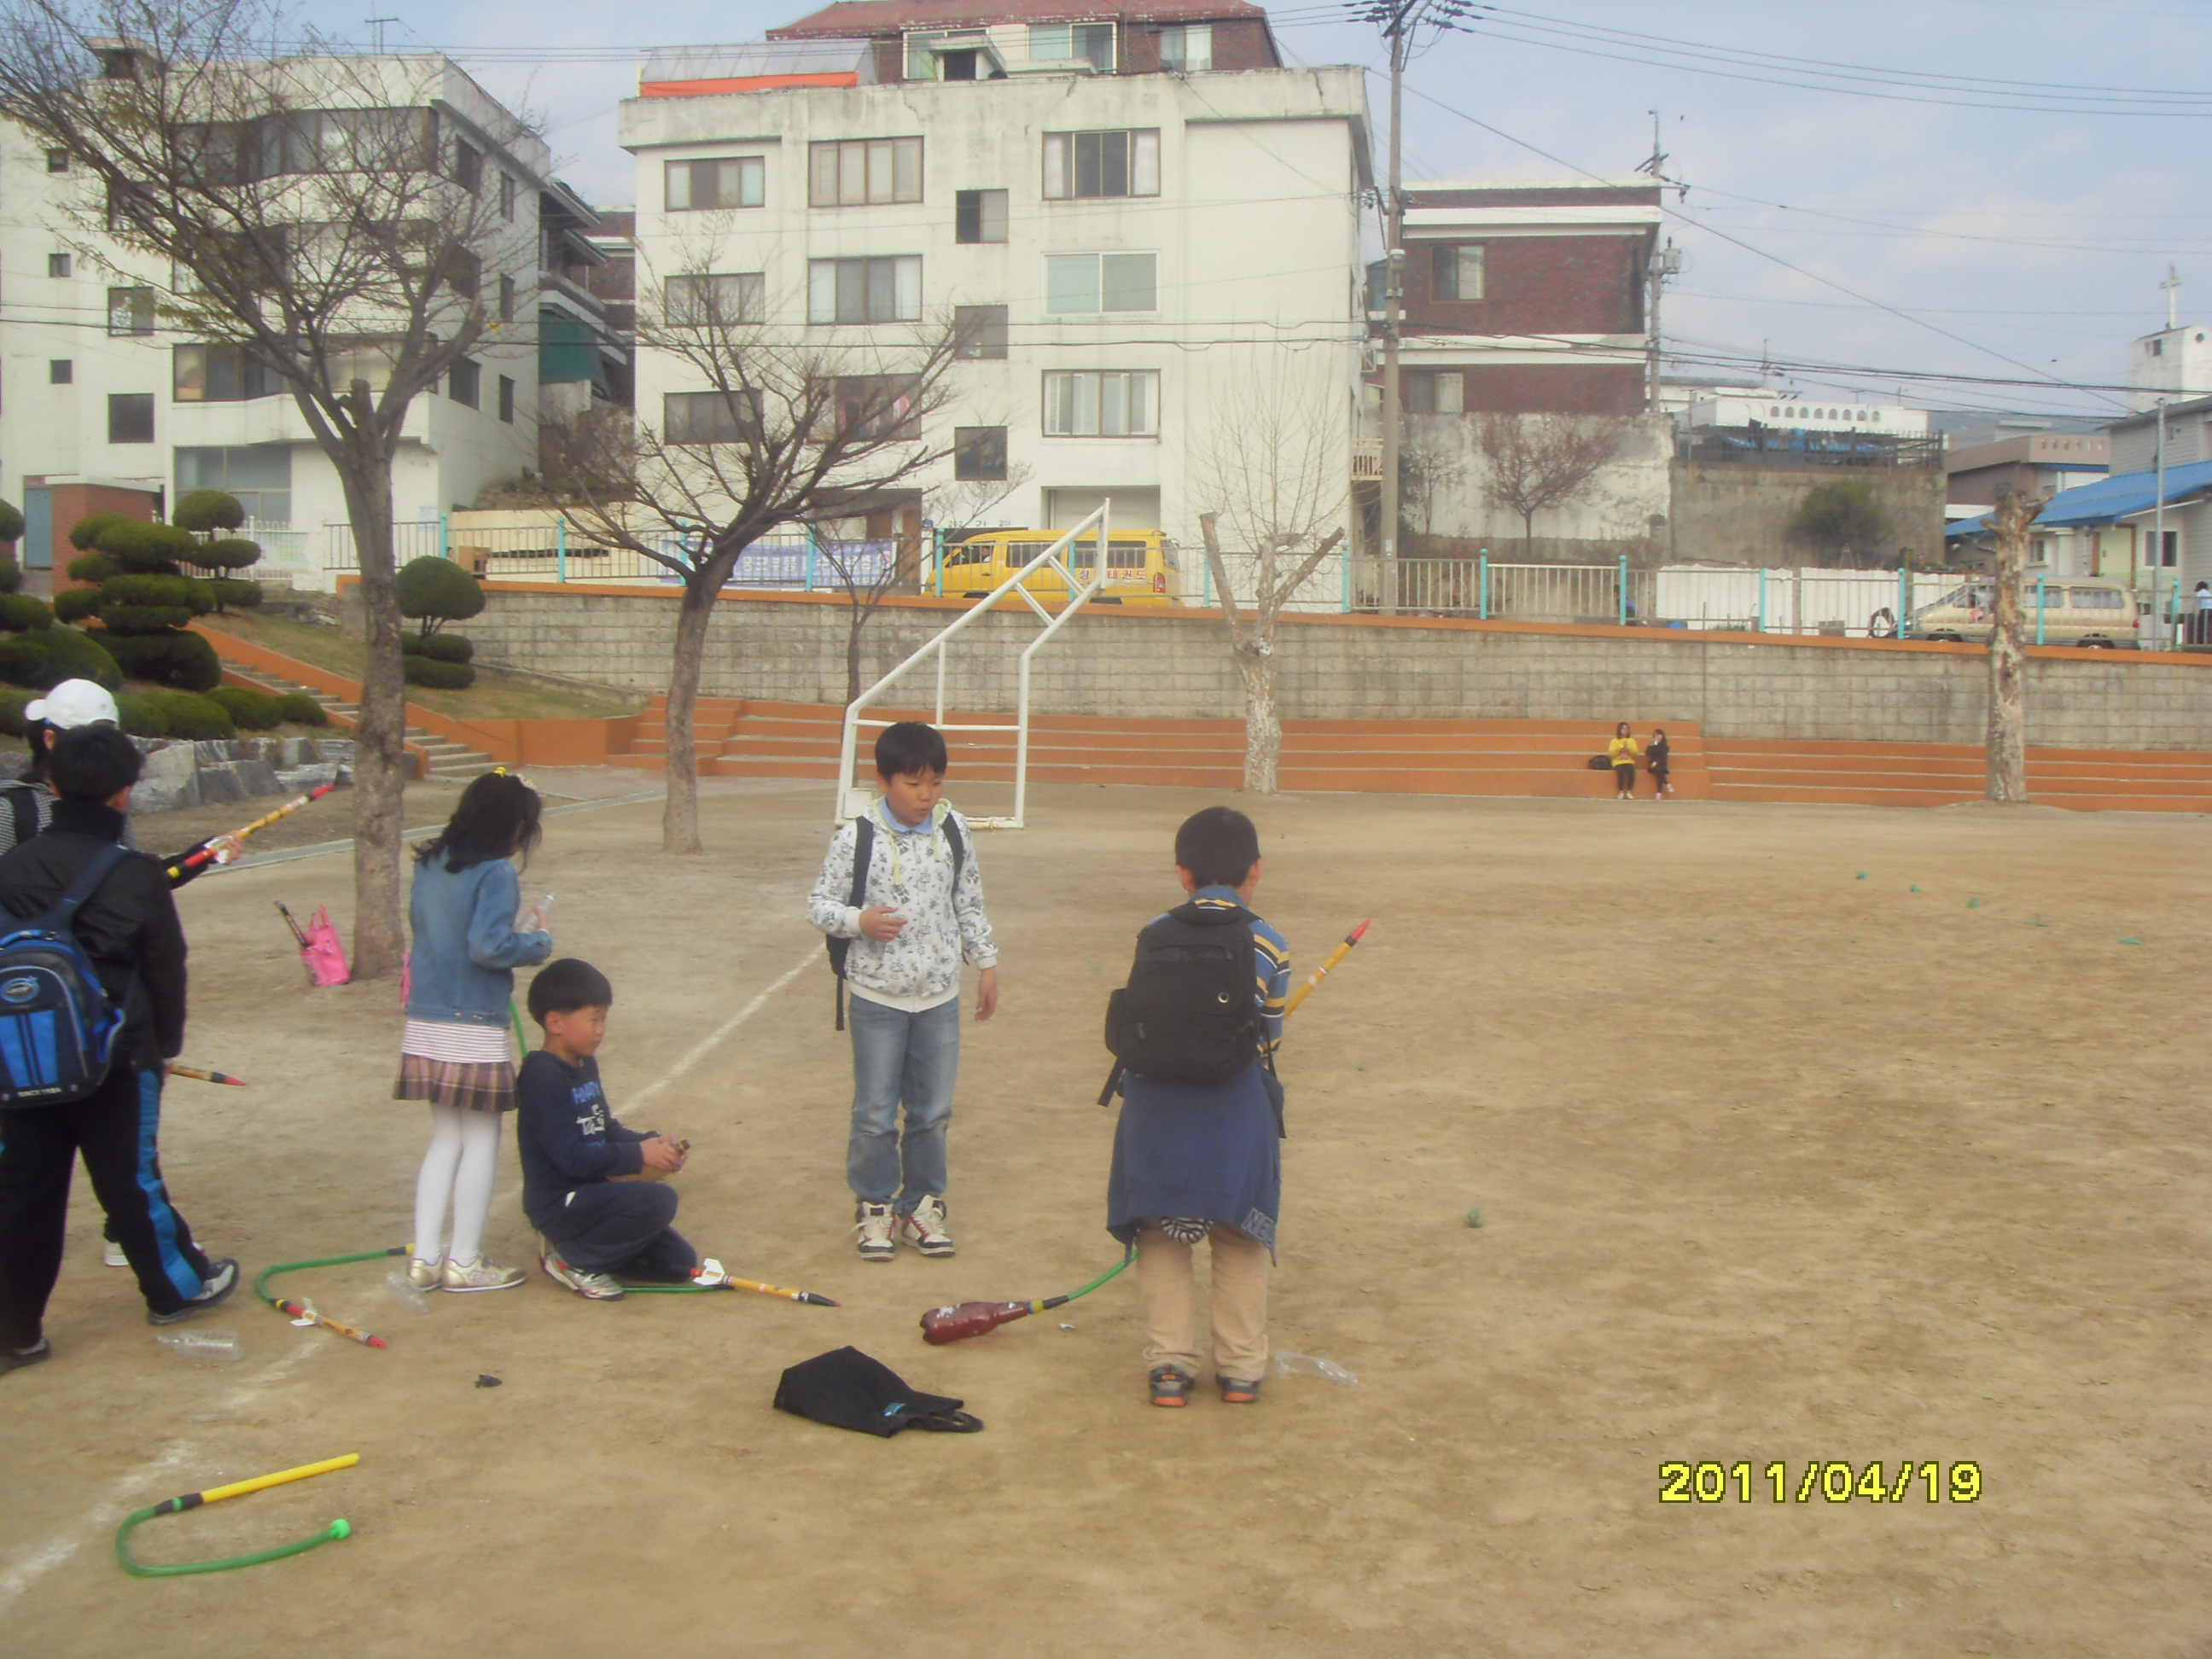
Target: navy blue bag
57,1027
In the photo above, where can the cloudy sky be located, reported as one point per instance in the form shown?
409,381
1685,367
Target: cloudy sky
1988,188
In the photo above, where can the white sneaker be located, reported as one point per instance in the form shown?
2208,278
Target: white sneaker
112,1256
925,1228
481,1274
871,1225
593,1287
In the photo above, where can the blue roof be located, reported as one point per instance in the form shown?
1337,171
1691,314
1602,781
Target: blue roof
2121,495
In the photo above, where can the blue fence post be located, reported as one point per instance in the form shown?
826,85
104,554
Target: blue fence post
1345,567
1903,596
1620,592
1482,585
937,556
445,536
2038,610
1208,587
810,559
1761,628
561,548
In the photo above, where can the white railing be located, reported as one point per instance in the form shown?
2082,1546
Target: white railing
1327,589
1758,599
556,551
1082,577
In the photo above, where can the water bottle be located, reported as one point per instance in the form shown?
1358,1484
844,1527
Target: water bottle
222,1347
1304,1365
405,1291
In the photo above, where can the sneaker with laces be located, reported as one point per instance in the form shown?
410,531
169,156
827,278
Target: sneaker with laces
219,1283
111,1255
424,1273
481,1274
924,1228
593,1287
872,1225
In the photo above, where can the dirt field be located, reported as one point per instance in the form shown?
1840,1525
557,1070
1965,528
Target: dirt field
1799,1135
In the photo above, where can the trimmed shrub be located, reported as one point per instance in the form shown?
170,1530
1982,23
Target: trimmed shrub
242,596
298,708
11,568
209,509
141,717
44,657
161,591
92,567
171,658
87,530
437,590
251,708
153,548
231,554
73,605
155,619
419,670
11,522
445,648
13,701
19,612
190,716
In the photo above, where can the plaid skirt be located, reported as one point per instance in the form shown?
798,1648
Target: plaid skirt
472,1086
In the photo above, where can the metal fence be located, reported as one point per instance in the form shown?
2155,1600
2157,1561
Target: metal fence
1327,589
553,552
1776,446
1523,592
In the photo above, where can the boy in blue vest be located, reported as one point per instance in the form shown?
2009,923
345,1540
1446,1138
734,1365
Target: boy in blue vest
1203,1160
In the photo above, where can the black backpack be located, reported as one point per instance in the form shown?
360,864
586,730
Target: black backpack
849,1390
864,847
22,809
1188,1014
58,1023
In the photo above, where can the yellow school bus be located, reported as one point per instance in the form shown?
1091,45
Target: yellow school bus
1140,566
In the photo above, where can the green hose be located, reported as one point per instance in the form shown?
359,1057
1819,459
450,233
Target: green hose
337,1528
261,1279
1062,1300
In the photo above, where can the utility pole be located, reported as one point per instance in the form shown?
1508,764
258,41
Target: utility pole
2172,287
2158,522
1663,264
1396,23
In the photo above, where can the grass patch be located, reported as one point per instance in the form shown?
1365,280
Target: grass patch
495,695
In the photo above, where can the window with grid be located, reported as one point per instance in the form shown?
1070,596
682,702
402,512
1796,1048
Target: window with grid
217,374
982,330
1456,271
859,172
1436,391
979,216
130,417
57,264
876,408
1187,48
1102,403
1058,43
980,453
739,181
1078,166
886,290
706,417
130,310
465,383
710,301
1079,284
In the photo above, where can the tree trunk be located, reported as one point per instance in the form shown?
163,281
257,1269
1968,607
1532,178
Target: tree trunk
1263,729
381,764
679,820
853,656
1528,537
2008,734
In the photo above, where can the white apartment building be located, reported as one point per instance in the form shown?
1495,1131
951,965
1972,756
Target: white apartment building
1134,232
95,388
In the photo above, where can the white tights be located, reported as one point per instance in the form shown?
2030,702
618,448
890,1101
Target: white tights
459,1168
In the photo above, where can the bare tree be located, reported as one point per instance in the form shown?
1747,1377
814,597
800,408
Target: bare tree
2008,726
1541,461
772,428
1272,467
322,227
1429,466
866,572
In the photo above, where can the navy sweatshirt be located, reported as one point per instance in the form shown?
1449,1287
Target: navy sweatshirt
567,1136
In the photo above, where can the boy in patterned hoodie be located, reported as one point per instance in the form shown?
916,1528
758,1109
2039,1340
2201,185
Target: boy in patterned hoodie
920,914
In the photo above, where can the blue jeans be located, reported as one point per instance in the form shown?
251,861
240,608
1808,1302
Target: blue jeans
900,1057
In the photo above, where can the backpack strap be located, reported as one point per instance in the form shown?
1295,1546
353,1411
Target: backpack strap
23,806
96,870
863,848
959,843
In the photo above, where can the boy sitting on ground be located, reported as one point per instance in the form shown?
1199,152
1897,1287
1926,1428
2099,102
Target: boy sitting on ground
590,1186
1195,1158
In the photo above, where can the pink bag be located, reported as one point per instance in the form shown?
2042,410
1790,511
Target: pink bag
324,955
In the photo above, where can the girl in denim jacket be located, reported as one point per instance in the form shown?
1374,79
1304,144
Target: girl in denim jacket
458,1051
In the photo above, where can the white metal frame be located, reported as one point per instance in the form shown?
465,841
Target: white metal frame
852,801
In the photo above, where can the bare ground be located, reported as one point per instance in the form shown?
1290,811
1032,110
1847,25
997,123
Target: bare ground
1776,1164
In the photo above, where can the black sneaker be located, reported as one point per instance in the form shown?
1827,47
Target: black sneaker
213,1289
16,1358
1171,1386
1236,1392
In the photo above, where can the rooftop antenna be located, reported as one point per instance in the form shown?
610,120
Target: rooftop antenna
378,23
2172,287
1658,159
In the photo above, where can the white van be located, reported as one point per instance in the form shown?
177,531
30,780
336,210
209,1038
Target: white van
2096,611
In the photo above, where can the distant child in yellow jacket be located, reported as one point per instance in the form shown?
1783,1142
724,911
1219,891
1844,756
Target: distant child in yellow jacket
1624,754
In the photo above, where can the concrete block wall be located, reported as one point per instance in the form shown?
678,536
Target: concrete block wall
1153,665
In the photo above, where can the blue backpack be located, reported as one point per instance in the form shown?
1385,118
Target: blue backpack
58,1025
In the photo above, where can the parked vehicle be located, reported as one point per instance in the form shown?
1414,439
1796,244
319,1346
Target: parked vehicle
2096,611
1140,566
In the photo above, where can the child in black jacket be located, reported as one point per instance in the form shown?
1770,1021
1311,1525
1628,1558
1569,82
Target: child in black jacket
590,1186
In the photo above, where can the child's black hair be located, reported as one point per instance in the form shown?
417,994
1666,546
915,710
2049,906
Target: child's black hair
1218,846
908,747
566,985
495,818
92,763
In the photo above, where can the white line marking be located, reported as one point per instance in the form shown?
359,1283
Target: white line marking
707,1045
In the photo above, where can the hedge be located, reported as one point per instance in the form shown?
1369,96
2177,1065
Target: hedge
87,530
11,522
446,647
185,661
73,605
44,657
20,611
209,509
251,707
437,590
13,701
11,567
419,670
191,716
141,717
230,592
148,547
301,709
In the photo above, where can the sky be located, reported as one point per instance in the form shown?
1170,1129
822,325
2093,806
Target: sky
1876,190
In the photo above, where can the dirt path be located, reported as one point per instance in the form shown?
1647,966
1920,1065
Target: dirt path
1776,1162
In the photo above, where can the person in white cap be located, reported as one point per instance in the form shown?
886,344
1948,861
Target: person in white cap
29,800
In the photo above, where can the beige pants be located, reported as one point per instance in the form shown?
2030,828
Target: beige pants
1168,1281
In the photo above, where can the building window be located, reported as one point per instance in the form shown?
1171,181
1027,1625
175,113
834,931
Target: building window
507,399
507,195
57,264
982,330
130,417
60,371
2166,552
980,216
1187,48
855,173
468,166
875,408
864,290
130,310
705,417
259,475
465,383
1110,405
1457,272
695,186
465,272
980,453
1080,165
1060,43
1075,283
507,299
1436,391
714,301
57,161
217,374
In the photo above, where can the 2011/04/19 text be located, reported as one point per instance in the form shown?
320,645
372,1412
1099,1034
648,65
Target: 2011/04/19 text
1838,1483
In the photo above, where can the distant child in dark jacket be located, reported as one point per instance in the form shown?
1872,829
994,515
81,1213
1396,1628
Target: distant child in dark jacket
591,1186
